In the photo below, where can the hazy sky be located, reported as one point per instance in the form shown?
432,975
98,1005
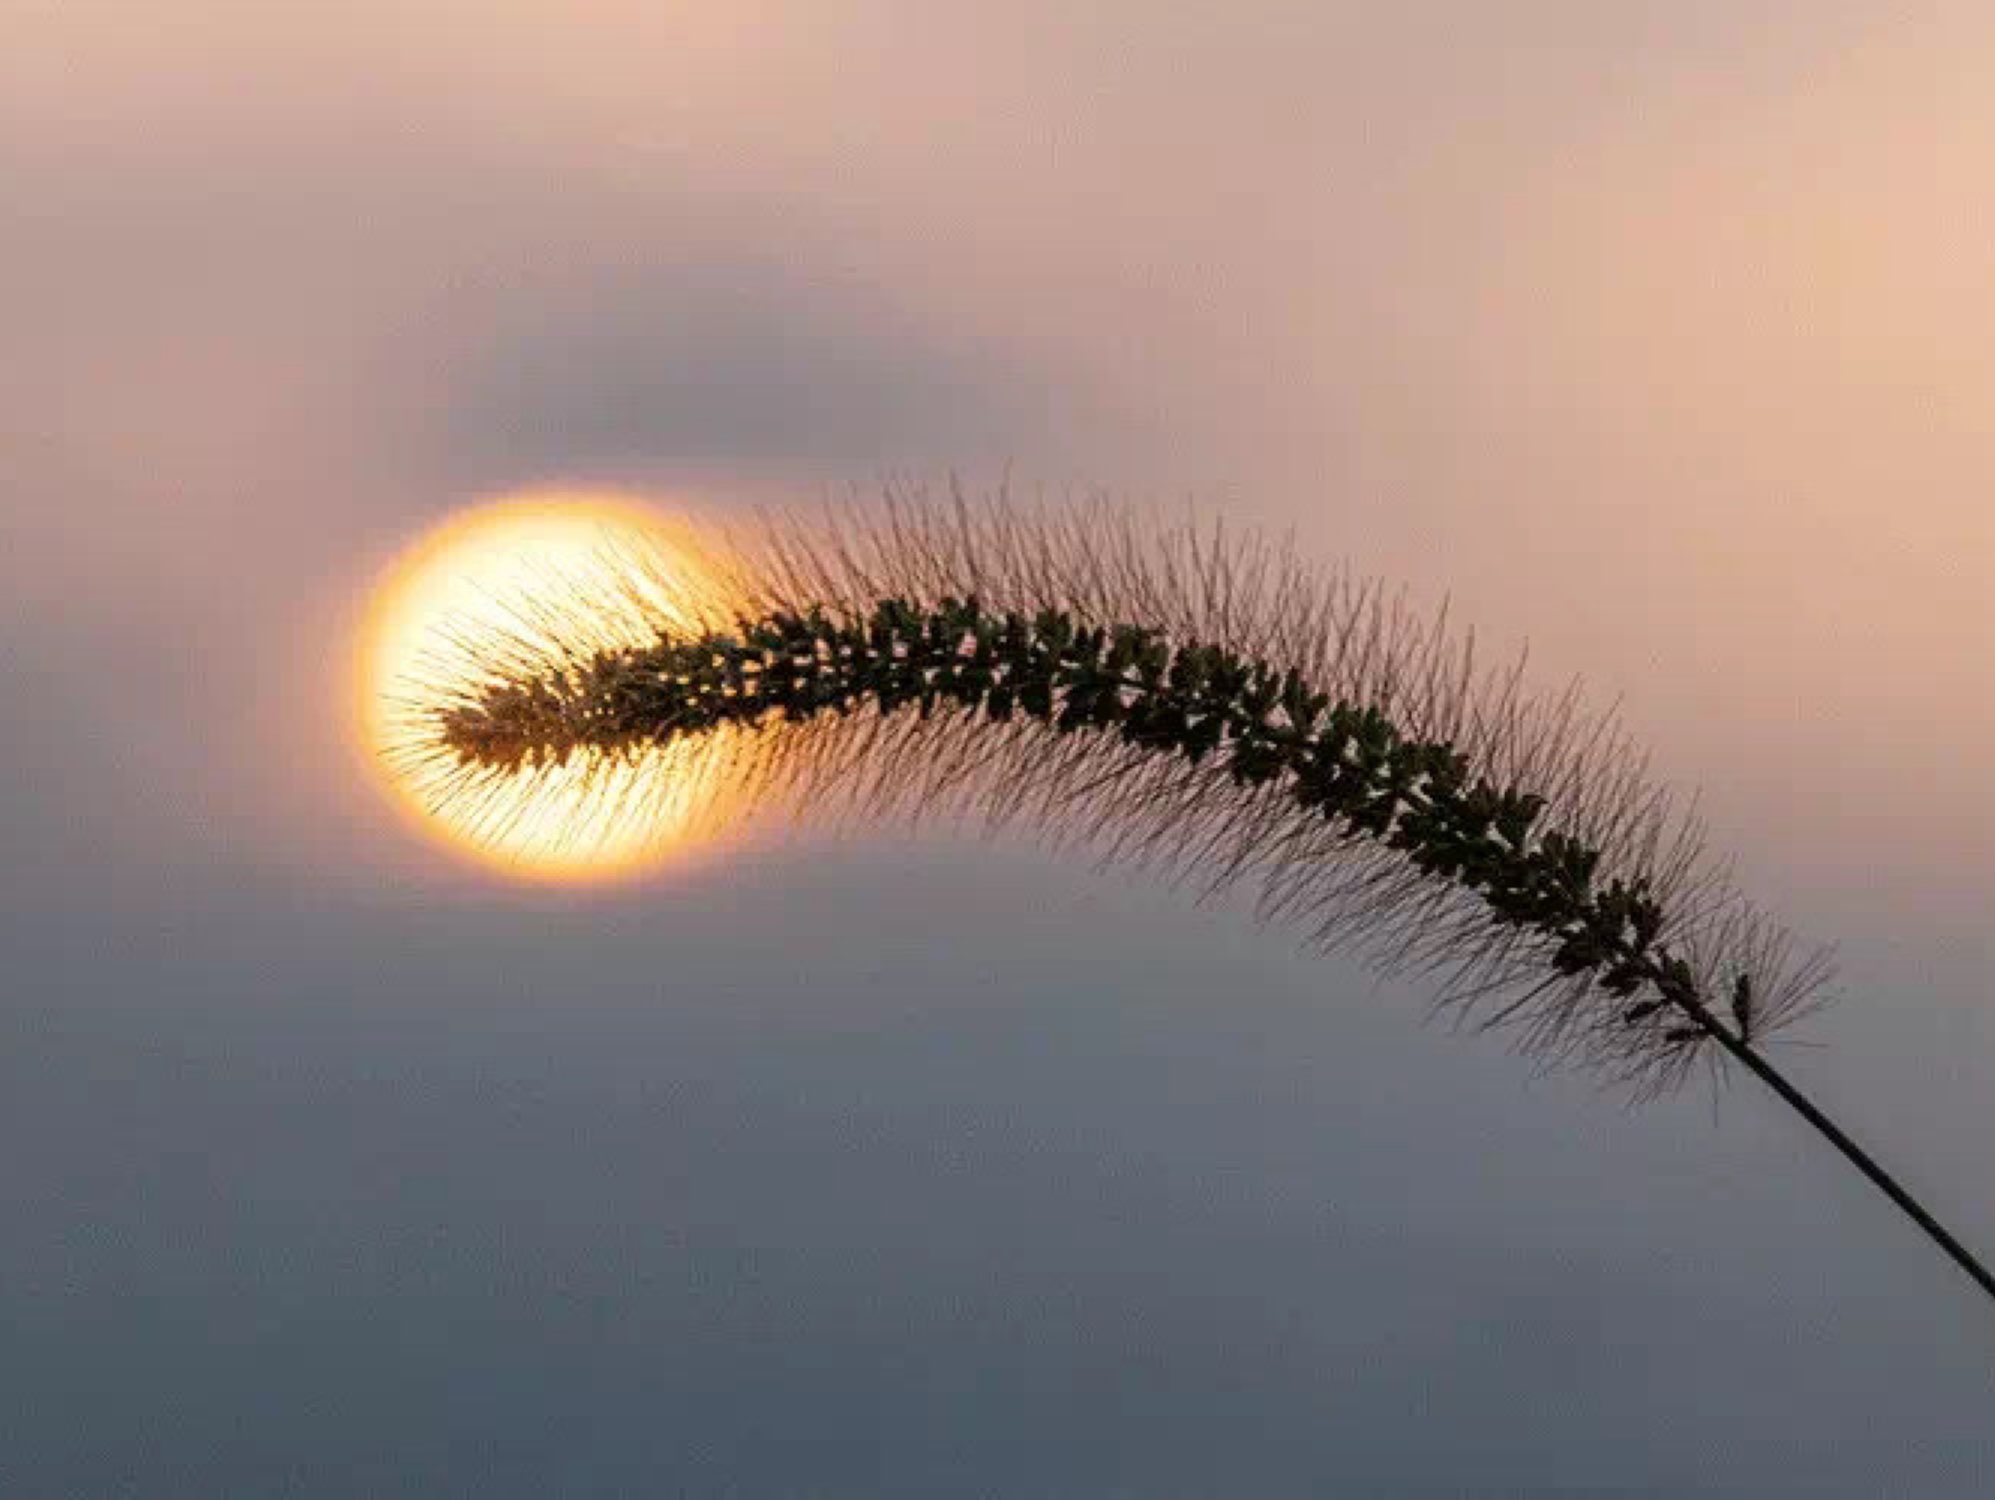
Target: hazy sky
1662,336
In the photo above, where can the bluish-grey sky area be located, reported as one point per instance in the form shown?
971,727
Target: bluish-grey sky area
1657,336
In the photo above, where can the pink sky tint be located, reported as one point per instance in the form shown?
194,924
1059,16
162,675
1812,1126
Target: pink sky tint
1663,340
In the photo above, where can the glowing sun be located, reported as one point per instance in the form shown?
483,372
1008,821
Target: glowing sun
518,575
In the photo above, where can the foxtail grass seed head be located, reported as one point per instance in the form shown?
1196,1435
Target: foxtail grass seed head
1185,699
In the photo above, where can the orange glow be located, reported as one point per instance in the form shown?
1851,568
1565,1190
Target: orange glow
529,570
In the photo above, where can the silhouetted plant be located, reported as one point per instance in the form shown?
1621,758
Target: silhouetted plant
1206,705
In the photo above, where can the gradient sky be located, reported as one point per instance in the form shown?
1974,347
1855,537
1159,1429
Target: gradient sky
1662,337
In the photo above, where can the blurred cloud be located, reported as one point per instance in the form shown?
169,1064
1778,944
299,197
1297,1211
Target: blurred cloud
730,365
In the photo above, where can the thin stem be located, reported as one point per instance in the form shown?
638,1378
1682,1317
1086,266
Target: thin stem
1859,1158
1756,1063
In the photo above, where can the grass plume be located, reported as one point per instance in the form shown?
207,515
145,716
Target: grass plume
1206,705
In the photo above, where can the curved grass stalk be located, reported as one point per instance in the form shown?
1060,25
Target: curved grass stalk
1212,707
